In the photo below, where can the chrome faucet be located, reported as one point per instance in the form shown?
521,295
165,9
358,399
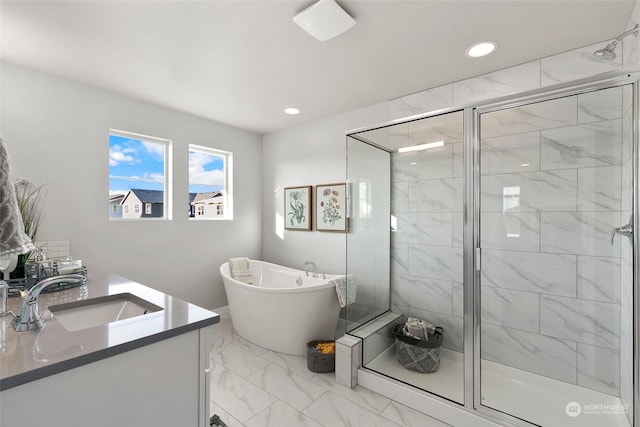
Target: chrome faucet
312,264
28,317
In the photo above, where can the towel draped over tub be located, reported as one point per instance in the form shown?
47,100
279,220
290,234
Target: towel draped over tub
241,270
346,289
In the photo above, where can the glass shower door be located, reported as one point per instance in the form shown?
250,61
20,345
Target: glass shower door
556,276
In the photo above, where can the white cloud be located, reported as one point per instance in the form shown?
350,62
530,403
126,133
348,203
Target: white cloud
154,148
154,177
215,177
197,172
117,155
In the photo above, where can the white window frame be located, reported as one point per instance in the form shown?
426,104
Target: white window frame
227,191
168,178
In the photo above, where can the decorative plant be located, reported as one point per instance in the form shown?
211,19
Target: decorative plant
297,207
30,204
330,208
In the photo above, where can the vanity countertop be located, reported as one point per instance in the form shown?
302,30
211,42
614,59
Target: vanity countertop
31,355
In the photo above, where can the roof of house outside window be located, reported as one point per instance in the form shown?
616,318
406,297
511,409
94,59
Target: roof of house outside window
146,196
206,196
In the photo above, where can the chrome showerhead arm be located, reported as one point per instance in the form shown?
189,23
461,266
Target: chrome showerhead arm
634,30
608,52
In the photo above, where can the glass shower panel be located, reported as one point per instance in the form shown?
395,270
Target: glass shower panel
368,240
426,208
555,289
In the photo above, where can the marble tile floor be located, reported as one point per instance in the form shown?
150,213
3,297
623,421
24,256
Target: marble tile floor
252,386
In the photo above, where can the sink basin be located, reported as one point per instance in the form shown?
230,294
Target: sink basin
89,313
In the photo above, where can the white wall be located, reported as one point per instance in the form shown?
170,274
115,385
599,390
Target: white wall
56,132
310,154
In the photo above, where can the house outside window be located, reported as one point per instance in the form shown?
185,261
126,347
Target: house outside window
210,183
140,172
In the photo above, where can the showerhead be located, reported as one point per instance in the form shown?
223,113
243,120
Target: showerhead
608,52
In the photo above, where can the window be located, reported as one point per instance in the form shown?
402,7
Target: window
139,170
210,189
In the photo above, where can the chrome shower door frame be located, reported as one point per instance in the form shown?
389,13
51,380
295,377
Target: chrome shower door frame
471,231
472,247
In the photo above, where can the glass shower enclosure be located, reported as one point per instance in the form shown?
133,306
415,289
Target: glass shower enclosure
511,226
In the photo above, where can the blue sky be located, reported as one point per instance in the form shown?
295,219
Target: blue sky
135,163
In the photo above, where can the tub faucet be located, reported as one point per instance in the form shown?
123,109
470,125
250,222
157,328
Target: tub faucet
312,264
28,317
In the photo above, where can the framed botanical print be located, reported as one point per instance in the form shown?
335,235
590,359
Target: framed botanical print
331,207
297,208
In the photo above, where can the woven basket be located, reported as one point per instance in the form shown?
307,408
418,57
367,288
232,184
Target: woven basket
418,355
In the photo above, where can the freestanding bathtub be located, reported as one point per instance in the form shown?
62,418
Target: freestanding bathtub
276,312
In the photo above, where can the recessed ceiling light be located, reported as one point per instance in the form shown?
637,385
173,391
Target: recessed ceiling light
481,49
292,111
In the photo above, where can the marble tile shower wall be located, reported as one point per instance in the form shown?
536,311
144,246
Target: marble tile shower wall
427,237
524,321
631,61
550,275
626,262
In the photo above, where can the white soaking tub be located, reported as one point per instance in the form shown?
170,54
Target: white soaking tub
283,309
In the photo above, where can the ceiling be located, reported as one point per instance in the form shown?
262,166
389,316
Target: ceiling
242,62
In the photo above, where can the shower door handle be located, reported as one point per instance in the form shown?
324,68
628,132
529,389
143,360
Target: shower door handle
625,230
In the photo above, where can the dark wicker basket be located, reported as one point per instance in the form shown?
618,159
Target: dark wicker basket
418,355
320,362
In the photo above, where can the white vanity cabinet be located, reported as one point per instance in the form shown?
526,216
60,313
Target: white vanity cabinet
164,384
148,371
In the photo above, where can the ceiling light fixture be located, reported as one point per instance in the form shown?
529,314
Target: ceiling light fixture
481,49
324,20
421,147
292,111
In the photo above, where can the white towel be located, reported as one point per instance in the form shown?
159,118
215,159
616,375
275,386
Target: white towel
345,289
13,240
241,270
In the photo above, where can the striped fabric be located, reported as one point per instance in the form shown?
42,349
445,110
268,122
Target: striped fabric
13,240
